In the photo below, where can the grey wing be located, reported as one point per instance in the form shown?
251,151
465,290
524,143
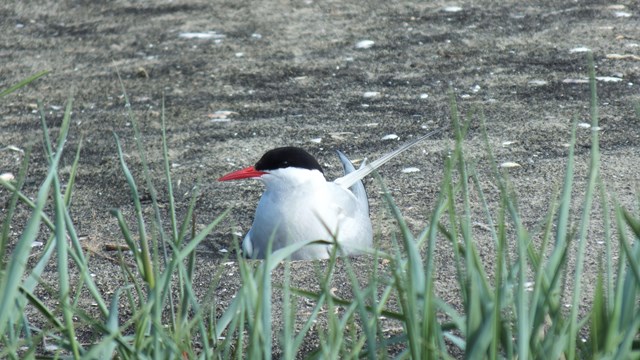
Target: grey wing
357,188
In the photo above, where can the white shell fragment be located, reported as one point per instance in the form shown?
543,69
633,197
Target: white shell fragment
586,81
340,135
537,82
623,57
390,137
316,140
452,9
509,165
7,177
221,115
580,49
51,348
588,126
13,148
622,14
370,94
364,44
201,35
528,286
410,170
575,81
608,78
508,142
424,96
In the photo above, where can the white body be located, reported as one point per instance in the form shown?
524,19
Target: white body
301,205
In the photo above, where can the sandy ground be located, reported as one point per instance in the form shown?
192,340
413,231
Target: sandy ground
277,73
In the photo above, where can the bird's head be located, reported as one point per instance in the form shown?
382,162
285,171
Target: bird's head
287,163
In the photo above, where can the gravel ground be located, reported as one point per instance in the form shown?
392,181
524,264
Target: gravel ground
239,78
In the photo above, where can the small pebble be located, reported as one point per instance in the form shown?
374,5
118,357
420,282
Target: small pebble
390,137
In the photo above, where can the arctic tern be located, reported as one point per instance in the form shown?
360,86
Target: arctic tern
299,204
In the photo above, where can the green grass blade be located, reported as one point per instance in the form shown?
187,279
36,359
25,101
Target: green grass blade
126,233
27,201
361,307
147,269
37,303
190,247
63,270
10,209
72,176
23,83
167,172
584,220
609,261
16,267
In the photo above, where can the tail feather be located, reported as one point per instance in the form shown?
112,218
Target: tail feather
357,188
349,179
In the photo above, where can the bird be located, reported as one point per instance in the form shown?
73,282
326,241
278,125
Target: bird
300,205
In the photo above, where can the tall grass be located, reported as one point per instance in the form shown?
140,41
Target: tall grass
502,315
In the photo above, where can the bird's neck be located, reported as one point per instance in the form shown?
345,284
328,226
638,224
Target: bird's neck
289,179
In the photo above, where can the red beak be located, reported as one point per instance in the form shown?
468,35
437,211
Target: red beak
246,173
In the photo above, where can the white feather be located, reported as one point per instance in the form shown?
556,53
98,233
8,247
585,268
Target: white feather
349,179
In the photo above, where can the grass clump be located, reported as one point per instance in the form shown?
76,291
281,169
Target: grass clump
511,309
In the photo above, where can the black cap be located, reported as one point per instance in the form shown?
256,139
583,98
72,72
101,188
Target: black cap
289,156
